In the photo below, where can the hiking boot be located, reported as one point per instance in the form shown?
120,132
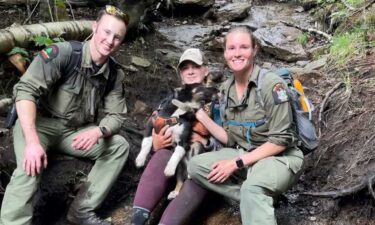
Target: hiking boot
88,218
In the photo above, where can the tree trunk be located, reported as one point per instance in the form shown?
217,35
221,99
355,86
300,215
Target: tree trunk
22,36
53,11
15,2
23,2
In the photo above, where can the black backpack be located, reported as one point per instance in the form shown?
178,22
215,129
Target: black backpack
304,127
74,67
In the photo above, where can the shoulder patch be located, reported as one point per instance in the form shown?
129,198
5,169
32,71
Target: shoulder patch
49,53
279,94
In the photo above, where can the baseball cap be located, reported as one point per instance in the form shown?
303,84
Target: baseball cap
192,54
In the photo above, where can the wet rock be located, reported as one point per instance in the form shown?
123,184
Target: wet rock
302,63
203,3
299,9
138,61
130,68
167,56
242,1
186,35
280,41
140,107
234,11
317,64
270,14
305,75
216,43
319,50
312,218
3,131
267,65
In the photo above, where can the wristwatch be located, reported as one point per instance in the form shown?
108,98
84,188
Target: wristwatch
240,163
104,131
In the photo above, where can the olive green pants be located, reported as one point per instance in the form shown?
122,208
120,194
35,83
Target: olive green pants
110,155
255,186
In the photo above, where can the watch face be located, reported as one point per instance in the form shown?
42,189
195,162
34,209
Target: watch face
104,131
239,163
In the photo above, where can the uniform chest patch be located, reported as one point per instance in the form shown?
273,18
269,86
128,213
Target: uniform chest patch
49,53
279,93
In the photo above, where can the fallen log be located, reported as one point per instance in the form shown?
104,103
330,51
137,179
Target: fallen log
22,36
24,2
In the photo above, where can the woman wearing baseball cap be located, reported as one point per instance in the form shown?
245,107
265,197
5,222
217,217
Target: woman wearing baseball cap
153,183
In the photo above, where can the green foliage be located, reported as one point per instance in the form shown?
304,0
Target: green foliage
369,21
22,51
323,2
16,50
42,41
302,39
60,3
339,14
354,3
346,45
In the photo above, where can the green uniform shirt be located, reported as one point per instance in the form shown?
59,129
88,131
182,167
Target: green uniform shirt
77,100
277,114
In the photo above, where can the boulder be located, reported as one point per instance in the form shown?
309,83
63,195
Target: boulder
234,11
280,41
201,3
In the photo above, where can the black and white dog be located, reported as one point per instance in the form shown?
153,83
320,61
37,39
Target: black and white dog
178,112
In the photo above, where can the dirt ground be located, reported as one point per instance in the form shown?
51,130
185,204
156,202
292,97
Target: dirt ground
344,158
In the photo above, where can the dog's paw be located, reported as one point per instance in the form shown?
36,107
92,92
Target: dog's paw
140,161
172,195
169,171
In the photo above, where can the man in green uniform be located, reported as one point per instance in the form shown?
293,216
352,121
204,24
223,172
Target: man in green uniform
66,120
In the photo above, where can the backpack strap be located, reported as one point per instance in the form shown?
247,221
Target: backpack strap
223,102
248,125
74,65
113,65
258,88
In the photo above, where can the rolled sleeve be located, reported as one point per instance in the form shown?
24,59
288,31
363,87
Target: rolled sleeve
231,138
115,106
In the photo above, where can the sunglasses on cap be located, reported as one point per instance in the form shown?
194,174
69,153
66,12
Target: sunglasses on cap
114,11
